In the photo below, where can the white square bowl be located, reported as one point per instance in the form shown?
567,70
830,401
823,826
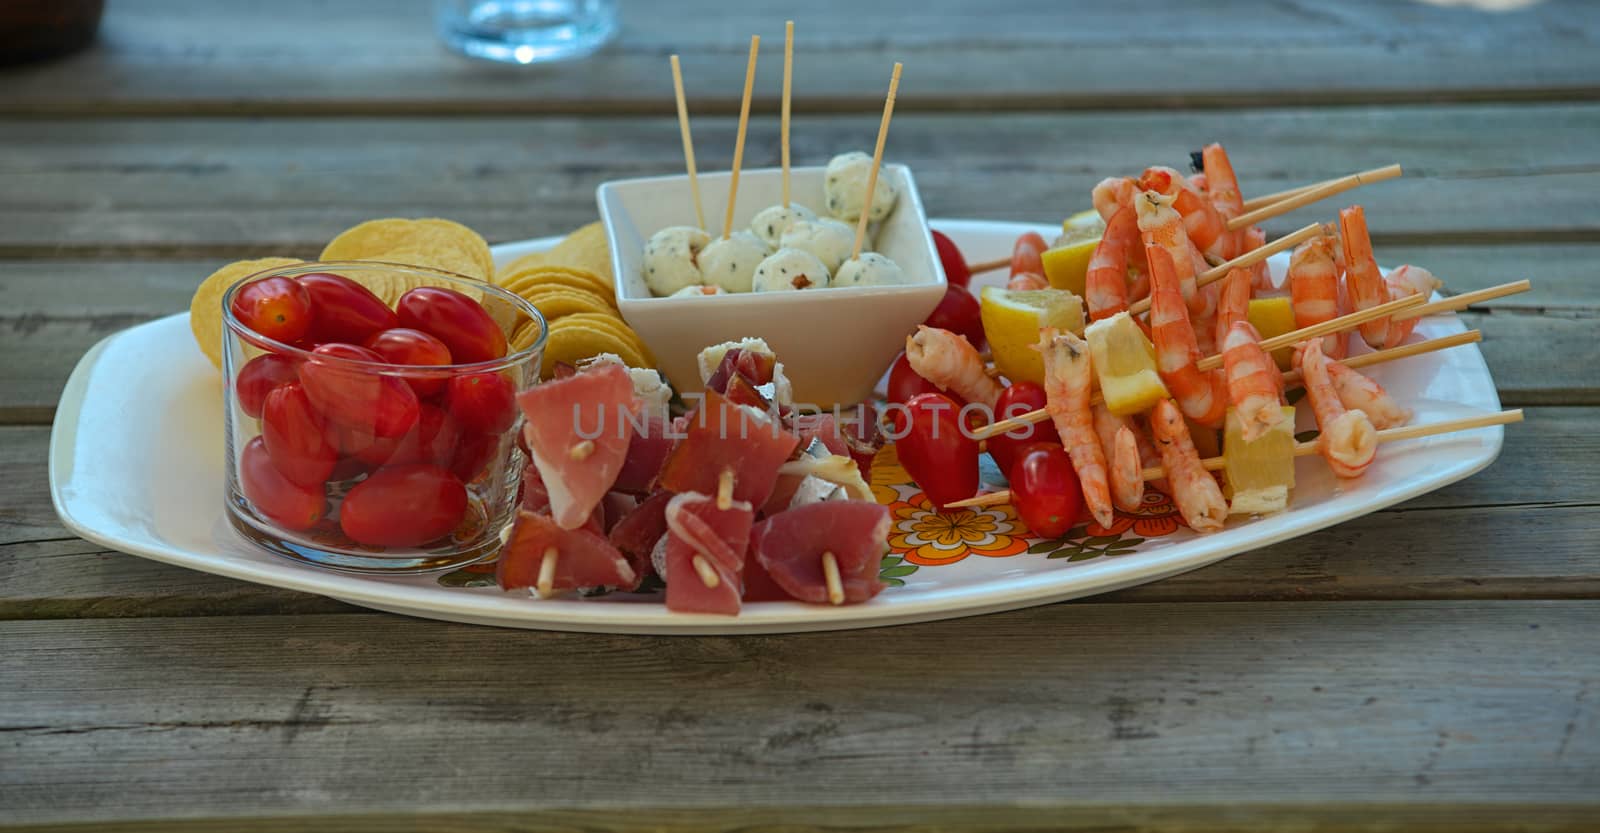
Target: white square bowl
835,343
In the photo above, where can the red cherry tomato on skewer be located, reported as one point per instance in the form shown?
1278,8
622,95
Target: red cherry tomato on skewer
344,310
259,376
959,313
403,345
1045,490
277,308
294,435
279,499
455,319
356,397
956,271
935,451
1017,399
1025,254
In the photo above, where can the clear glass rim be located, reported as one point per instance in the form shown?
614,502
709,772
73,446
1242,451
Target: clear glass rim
509,360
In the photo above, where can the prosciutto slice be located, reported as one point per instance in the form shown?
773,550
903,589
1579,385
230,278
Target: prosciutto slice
719,538
647,451
636,534
578,432
790,545
722,436
584,558
536,499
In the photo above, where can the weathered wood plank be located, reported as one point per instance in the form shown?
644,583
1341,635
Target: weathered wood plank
242,187
1049,708
1523,529
375,56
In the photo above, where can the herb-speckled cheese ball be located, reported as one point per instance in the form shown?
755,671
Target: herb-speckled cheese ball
790,269
771,222
845,186
828,240
671,259
871,269
730,262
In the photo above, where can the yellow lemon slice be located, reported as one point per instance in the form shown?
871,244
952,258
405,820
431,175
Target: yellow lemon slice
1011,322
1273,317
1067,263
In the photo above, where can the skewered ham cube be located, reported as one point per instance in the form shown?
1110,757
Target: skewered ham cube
705,554
793,545
578,432
543,555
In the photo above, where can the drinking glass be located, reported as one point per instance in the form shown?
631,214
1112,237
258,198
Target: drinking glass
526,31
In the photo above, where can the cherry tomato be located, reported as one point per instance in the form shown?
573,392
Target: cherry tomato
472,455
1017,399
935,451
431,440
458,321
1045,490
277,308
274,496
483,403
403,506
904,382
343,310
403,345
1025,254
958,312
260,375
293,433
954,263
357,397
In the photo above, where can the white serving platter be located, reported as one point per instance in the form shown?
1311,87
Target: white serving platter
136,465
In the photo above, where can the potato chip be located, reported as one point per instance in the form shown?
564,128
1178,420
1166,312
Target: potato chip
616,327
471,241
584,249
524,281
527,261
524,336
555,301
572,341
431,242
205,309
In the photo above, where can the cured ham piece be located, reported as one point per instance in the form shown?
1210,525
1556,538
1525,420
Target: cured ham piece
791,546
705,553
636,534
578,432
647,451
723,440
821,427
536,499
759,585
583,558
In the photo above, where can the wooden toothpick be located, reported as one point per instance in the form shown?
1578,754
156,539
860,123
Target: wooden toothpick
877,159
688,143
783,121
547,572
738,143
830,574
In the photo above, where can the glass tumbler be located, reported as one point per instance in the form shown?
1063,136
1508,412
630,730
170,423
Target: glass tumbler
526,31
341,458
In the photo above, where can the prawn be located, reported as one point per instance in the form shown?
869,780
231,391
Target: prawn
1025,254
1027,281
1160,225
1195,491
1348,440
1121,447
951,363
1223,192
1251,239
1112,194
1314,290
1105,287
1067,380
1369,288
1254,385
1233,305
1357,391
1402,281
1200,395
1201,221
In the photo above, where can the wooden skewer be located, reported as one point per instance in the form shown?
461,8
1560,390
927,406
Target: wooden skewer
708,573
1404,351
877,159
547,572
1303,449
1362,178
581,450
1250,258
830,573
988,265
725,489
783,120
738,142
1317,194
1335,325
688,143
1455,303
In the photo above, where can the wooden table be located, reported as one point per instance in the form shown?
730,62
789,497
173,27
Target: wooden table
1431,665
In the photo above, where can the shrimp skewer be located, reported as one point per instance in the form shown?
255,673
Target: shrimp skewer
1225,197
1233,305
1113,194
1105,287
1254,385
1251,239
1357,391
1314,290
1201,221
1067,381
1027,281
1160,225
1195,491
947,360
1199,394
1348,440
1121,447
1368,287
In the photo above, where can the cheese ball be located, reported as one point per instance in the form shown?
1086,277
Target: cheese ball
790,269
830,241
671,259
771,222
730,262
845,186
871,269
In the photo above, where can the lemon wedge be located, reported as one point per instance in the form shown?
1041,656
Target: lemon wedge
1273,317
1067,263
1125,363
1260,471
1011,322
